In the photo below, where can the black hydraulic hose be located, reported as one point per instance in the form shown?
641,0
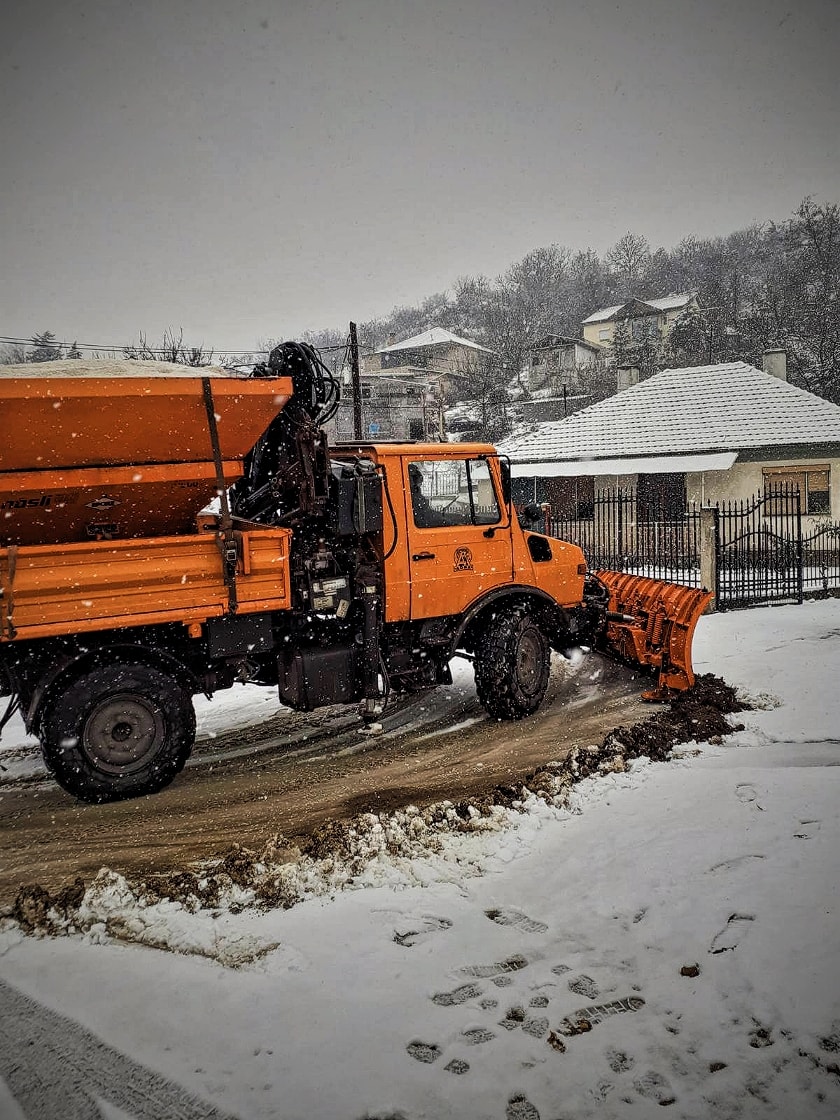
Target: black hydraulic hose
393,513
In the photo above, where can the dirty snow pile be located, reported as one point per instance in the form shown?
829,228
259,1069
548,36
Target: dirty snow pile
666,933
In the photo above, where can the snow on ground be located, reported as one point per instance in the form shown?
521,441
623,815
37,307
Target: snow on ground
685,912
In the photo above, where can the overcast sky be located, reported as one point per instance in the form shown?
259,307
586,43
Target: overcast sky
254,168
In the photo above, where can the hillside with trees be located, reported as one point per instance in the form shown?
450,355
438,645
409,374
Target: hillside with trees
770,285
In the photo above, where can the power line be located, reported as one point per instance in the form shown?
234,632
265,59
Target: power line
13,340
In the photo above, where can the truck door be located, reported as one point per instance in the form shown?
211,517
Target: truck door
458,537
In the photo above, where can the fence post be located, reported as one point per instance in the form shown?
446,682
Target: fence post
708,553
800,553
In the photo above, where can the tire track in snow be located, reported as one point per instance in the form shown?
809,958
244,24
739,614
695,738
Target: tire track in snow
54,1067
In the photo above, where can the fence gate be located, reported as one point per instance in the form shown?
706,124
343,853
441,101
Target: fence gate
759,549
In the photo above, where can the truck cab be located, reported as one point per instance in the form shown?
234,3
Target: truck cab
451,537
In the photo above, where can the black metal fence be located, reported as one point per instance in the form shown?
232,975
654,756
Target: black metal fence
764,550
616,535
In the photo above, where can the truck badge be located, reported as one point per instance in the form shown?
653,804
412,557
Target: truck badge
463,560
104,502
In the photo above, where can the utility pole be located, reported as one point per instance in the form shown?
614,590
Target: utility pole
357,384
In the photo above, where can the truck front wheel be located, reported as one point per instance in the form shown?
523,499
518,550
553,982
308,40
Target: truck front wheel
512,664
117,731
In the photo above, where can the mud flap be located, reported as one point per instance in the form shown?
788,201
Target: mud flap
651,622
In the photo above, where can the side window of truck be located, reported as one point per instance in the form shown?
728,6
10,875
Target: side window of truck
452,492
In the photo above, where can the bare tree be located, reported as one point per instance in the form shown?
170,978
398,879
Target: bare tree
171,349
628,259
11,354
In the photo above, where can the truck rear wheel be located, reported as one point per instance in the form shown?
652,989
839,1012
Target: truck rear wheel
512,664
117,731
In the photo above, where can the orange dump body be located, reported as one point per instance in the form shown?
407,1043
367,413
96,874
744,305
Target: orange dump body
98,456
102,480
659,628
104,585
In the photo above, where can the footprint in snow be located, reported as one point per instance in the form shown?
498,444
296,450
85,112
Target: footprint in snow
520,1108
760,1036
499,968
457,996
579,1022
536,1027
746,793
732,934
655,1087
476,1035
807,830
511,917
584,986
419,929
736,861
458,1066
425,1052
618,1061
601,1090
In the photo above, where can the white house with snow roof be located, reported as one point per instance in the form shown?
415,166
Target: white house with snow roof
703,434
405,385
645,318
436,350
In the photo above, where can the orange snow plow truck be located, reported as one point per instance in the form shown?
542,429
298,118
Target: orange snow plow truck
168,531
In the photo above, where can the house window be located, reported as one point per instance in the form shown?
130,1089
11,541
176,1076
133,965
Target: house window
604,334
367,392
415,429
640,329
813,484
660,497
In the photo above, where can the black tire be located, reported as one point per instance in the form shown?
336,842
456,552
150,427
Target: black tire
512,664
117,731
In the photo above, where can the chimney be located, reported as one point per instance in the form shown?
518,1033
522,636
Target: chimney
627,376
774,362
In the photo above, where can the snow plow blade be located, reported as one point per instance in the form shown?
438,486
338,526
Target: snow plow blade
651,622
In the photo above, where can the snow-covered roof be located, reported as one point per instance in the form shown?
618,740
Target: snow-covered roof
550,341
435,336
665,303
727,407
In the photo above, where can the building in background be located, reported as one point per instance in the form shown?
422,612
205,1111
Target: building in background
400,405
557,359
703,434
446,360
643,320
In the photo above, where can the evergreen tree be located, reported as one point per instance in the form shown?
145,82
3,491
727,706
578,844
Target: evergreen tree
46,348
